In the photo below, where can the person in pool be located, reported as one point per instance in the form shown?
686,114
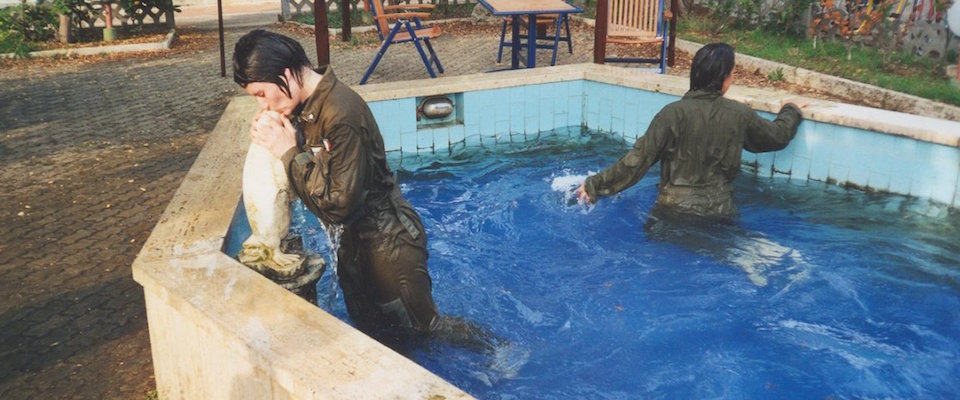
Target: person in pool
698,141
326,137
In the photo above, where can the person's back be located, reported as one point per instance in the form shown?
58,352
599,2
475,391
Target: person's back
699,141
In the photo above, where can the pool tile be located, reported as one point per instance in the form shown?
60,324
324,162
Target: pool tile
545,116
408,142
391,140
425,139
456,134
765,164
473,140
800,168
900,183
878,181
605,115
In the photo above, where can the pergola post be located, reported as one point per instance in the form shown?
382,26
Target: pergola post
345,20
320,32
674,11
600,32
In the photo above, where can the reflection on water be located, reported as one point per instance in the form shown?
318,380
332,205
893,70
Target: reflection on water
813,292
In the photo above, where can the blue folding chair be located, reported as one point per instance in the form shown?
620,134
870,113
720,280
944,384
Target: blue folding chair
557,20
403,31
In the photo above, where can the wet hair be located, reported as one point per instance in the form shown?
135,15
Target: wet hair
261,56
711,65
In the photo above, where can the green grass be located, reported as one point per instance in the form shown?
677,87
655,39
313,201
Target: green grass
919,76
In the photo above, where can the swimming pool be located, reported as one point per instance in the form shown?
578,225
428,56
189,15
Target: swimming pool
815,292
218,329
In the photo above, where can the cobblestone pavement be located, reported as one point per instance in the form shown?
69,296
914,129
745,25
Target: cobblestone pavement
91,151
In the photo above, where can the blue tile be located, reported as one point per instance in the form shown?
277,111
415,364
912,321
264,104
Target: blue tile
631,126
391,140
408,142
456,134
488,123
441,137
425,139
546,116
765,167
575,106
531,125
839,171
593,121
517,116
616,126
472,102
604,119
878,180
900,183
405,115
502,128
473,140
800,168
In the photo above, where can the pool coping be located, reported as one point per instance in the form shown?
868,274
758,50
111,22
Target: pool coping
220,330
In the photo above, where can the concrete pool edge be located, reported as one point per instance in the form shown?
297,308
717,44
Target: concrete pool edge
219,330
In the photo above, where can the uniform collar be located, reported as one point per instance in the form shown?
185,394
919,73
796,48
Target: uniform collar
703,94
311,108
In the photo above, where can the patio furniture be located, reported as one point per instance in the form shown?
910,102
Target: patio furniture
402,32
639,22
526,12
543,21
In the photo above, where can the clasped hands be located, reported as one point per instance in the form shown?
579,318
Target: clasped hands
273,131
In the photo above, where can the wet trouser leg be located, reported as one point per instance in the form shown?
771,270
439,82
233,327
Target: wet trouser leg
383,275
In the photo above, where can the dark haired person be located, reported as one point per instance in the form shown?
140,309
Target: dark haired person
340,172
698,141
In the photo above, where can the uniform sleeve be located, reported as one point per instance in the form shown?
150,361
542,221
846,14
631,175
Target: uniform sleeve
330,182
630,168
763,135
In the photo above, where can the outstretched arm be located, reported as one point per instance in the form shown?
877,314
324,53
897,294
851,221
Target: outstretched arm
630,168
763,135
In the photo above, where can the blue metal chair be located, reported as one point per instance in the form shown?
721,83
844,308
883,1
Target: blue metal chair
542,20
403,31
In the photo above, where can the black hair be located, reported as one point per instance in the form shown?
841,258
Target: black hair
261,56
711,65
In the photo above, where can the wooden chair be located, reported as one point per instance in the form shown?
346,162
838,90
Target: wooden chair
555,20
639,22
402,32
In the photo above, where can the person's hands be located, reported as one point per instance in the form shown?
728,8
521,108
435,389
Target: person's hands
801,104
582,195
273,131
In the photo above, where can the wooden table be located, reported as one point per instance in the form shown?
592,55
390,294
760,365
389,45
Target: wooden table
518,8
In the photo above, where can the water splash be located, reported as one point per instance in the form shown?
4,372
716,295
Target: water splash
334,233
567,185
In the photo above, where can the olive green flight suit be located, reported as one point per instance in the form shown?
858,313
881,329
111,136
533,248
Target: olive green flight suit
342,176
699,141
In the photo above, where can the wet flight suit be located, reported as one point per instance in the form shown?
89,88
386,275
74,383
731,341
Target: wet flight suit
342,176
699,141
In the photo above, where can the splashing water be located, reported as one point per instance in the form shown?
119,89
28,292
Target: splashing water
567,185
334,233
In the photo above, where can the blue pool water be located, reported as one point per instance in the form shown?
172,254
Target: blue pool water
814,292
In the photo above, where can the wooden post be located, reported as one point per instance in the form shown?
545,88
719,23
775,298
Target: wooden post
223,61
600,32
345,20
320,32
674,11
